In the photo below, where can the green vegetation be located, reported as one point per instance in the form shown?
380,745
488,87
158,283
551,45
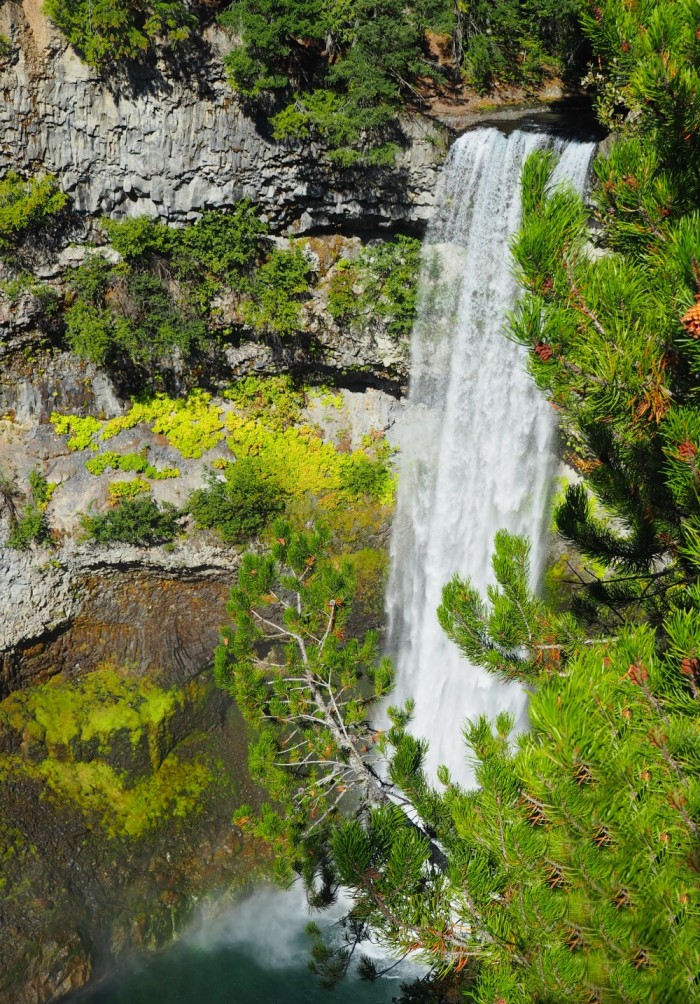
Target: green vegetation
282,659
570,873
30,524
127,489
192,424
109,30
121,314
239,505
160,299
612,338
382,282
136,518
166,295
571,870
506,42
343,72
61,713
137,462
75,733
25,206
180,291
275,464
281,284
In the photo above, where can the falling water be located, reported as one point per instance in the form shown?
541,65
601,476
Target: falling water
477,439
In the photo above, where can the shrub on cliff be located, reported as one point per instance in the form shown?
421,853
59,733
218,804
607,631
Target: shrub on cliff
108,30
141,521
281,286
120,313
25,204
222,246
383,282
30,524
240,505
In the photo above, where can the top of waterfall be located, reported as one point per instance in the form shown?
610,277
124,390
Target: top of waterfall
568,118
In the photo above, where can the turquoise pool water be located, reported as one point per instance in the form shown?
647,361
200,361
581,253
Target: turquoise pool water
255,953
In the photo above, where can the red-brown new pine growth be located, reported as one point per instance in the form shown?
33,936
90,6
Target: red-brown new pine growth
691,319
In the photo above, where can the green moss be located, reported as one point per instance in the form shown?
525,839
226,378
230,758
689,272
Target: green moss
60,723
191,424
63,711
138,462
103,793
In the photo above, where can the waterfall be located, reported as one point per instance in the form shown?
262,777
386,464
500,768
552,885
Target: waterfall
476,441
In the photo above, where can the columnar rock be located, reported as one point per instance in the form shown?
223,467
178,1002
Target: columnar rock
171,140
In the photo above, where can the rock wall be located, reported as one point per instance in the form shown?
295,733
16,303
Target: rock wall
70,613
172,140
69,608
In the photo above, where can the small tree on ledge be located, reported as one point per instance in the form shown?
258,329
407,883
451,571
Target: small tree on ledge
304,687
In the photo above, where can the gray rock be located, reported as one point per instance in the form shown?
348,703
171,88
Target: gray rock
176,146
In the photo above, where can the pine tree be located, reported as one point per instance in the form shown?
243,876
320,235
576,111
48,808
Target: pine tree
306,689
572,871
609,315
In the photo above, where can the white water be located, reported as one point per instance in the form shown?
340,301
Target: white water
476,442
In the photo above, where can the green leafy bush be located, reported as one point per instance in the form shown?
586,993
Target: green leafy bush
106,30
31,526
361,475
25,205
124,313
242,504
383,282
137,236
139,520
281,285
227,245
159,299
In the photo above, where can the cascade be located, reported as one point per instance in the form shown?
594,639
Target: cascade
477,437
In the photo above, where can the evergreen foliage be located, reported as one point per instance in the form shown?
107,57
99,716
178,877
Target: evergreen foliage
109,30
178,291
610,327
280,287
160,299
239,503
28,525
136,520
344,71
571,872
505,42
383,282
25,205
286,660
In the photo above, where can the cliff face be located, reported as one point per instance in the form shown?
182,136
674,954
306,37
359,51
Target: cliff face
172,141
